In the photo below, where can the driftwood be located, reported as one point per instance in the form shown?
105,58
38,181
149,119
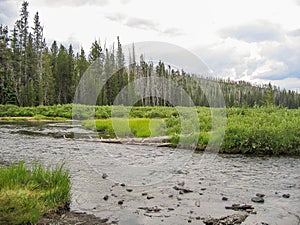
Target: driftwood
151,141
239,207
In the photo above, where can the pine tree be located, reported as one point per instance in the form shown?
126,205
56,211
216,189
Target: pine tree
39,45
123,80
31,85
7,94
95,52
22,26
62,75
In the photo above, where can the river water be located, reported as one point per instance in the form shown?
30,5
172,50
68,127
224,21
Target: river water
149,174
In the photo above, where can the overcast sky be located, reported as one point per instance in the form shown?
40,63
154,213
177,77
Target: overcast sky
253,40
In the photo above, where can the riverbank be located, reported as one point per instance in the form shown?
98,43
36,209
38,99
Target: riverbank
27,194
263,131
33,119
38,196
64,217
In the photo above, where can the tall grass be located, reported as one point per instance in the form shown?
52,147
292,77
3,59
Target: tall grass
132,127
25,195
263,130
270,130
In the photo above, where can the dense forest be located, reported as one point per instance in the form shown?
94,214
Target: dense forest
32,73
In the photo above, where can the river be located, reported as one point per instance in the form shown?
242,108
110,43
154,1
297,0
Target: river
119,182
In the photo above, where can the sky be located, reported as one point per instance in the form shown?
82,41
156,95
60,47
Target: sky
252,40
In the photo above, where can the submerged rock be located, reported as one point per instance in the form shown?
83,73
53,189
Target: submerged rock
234,219
257,199
260,195
286,195
197,203
239,207
120,202
150,209
105,197
224,198
182,190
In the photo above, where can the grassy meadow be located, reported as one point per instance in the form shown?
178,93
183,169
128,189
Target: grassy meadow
258,130
272,131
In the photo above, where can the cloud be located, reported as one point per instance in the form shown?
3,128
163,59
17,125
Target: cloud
295,33
263,62
298,2
172,31
288,84
141,23
133,22
75,3
254,32
58,3
226,60
125,1
287,56
117,17
9,11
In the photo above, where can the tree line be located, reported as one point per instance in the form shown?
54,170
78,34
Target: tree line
31,74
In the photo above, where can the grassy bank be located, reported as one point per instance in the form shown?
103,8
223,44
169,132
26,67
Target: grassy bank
25,195
260,130
272,131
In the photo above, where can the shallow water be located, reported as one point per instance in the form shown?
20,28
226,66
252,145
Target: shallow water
153,172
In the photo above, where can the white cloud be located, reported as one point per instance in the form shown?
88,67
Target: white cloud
173,31
260,61
9,10
75,3
295,33
141,23
257,31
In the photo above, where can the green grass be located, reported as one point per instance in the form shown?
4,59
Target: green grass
25,195
132,127
272,131
260,130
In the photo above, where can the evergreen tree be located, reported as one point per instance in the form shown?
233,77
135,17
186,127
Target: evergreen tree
39,45
95,52
7,95
22,26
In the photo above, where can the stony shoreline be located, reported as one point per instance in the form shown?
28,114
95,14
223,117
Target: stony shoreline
65,217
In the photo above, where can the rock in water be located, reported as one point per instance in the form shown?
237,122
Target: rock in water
286,195
260,195
234,219
257,199
224,198
183,190
239,207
